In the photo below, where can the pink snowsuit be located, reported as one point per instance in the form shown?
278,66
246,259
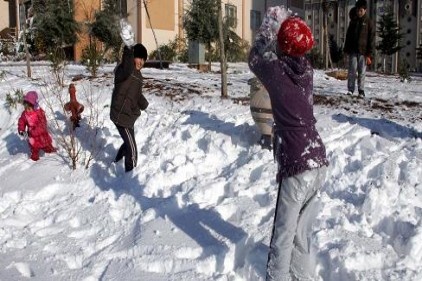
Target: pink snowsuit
35,123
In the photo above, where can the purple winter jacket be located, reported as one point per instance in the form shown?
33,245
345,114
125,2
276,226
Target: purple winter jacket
289,82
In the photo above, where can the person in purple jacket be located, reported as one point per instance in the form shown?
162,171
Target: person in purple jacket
300,153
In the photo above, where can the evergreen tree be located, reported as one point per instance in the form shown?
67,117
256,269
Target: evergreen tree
55,24
201,22
236,48
106,26
390,35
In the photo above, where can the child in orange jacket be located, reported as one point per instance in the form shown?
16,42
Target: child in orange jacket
34,122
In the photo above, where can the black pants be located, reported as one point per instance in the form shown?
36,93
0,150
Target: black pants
128,148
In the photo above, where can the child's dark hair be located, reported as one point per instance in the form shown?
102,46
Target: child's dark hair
27,104
361,4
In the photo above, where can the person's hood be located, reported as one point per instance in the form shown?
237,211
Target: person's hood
298,69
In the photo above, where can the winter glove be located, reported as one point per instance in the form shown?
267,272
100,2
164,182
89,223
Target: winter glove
267,33
272,21
23,134
126,33
368,61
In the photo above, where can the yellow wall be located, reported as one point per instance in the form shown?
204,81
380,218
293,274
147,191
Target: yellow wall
84,11
162,14
166,21
4,14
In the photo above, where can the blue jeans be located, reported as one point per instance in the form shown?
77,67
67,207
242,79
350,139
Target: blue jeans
357,62
290,247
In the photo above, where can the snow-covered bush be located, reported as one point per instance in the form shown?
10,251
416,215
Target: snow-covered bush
13,99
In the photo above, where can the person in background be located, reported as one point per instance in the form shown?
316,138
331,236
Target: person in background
74,107
299,150
359,45
353,16
127,100
33,124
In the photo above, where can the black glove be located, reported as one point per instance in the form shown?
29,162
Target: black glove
21,133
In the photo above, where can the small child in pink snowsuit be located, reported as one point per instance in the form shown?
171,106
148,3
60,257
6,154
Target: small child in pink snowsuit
74,107
33,121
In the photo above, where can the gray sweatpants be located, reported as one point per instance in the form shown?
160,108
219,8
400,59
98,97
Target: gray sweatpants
357,62
297,206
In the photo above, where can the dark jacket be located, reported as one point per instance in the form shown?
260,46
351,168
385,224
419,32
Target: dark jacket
127,100
289,82
360,37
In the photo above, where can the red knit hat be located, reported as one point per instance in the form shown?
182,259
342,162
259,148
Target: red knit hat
295,37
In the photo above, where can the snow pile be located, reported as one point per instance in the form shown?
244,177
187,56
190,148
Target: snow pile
200,204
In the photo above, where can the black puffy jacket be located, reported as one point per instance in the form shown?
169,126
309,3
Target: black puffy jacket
127,100
360,37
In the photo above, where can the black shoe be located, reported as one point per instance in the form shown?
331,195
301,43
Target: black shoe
118,158
361,93
266,142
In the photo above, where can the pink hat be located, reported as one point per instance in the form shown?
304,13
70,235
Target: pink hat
32,98
295,37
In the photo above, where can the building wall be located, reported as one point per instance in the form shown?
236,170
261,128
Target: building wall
164,22
8,14
337,20
84,12
407,14
168,23
4,14
419,32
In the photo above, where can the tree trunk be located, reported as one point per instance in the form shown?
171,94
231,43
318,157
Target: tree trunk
209,56
28,63
326,44
222,53
383,63
328,62
393,67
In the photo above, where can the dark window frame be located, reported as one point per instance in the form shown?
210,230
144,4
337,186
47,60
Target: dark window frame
231,15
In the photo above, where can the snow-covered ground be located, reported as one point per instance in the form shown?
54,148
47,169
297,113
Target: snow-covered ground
200,203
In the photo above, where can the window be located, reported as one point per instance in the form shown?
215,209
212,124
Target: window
255,19
231,15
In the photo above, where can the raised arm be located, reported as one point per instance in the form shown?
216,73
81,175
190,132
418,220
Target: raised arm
126,67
